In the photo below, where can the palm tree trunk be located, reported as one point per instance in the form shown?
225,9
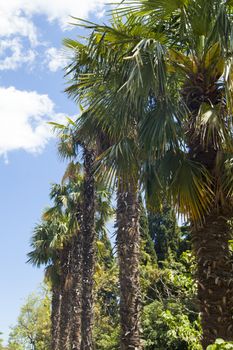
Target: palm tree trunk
65,324
76,270
215,278
128,243
88,230
55,318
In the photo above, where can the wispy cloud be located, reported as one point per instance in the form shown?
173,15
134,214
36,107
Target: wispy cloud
18,54
15,23
55,59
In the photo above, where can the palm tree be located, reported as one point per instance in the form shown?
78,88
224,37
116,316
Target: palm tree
195,100
64,197
97,209
89,237
90,218
70,199
128,246
45,243
84,246
84,240
52,246
76,288
90,126
175,75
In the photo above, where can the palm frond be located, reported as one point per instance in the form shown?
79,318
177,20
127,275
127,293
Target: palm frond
186,184
119,160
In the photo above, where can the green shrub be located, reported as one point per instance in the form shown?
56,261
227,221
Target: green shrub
221,345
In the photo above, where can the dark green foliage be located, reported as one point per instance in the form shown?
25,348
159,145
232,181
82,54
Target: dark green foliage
185,238
166,326
107,330
165,233
170,317
148,251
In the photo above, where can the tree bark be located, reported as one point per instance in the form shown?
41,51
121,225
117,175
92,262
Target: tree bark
76,270
211,246
88,230
65,324
55,318
128,244
215,278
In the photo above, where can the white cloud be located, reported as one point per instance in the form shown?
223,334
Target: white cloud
17,20
60,10
18,54
55,59
17,14
23,114
14,22
23,119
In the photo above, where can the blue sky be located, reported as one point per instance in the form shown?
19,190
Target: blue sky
31,93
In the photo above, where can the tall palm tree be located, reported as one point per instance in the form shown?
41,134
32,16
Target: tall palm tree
84,241
195,93
76,288
71,200
128,246
176,73
90,126
88,215
89,238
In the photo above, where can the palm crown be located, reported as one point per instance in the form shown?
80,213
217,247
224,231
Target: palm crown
159,83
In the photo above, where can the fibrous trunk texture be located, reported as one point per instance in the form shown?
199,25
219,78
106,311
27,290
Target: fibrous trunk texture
128,245
76,292
88,231
64,341
55,318
215,278
211,246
